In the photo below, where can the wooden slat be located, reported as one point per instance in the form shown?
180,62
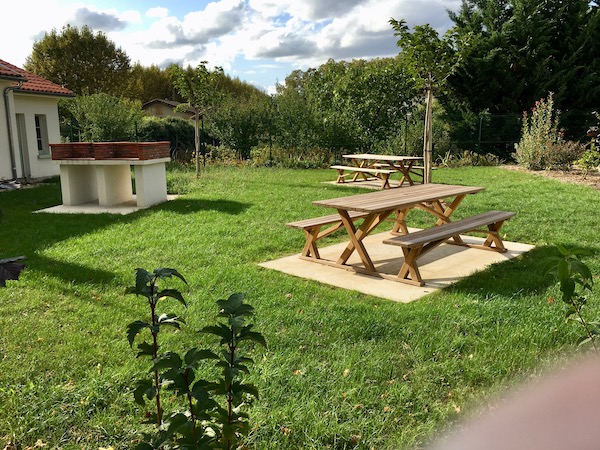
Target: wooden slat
448,230
406,197
324,220
363,169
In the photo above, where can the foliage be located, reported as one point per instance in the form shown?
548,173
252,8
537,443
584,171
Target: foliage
575,280
432,60
147,83
590,159
178,131
343,105
199,88
80,60
104,118
204,424
241,123
517,51
539,135
469,159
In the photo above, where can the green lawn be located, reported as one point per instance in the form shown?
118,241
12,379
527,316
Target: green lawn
342,370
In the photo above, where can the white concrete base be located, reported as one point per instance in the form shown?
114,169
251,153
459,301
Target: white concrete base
439,268
108,181
127,207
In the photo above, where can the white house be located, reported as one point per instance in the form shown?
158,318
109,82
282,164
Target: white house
28,123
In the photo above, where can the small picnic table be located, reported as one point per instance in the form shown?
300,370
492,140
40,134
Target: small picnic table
378,206
380,166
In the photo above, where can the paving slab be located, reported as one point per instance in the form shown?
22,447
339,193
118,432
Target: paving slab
439,268
127,207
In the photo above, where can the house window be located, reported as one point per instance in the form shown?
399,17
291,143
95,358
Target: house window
41,134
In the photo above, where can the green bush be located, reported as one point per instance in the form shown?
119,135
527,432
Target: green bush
542,145
178,131
105,118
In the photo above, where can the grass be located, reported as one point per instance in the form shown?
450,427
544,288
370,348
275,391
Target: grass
342,370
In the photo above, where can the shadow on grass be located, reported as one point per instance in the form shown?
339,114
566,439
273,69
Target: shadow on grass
524,274
70,272
188,206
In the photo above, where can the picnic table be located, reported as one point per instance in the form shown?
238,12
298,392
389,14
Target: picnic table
374,208
367,166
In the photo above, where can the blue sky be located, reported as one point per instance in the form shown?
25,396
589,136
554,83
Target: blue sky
259,41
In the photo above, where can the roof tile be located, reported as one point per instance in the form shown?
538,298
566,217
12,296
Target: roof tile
32,83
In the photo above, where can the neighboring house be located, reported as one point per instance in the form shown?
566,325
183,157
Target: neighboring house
165,108
28,123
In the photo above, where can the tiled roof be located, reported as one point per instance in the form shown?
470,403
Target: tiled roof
32,83
160,100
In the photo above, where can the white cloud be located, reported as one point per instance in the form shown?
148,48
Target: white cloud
157,12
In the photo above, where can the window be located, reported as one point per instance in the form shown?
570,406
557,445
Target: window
41,134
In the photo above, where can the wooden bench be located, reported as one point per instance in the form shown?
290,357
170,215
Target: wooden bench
383,174
312,230
414,245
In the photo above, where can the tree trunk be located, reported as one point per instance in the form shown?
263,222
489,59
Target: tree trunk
428,136
197,143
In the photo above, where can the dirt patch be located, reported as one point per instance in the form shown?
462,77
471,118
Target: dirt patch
576,176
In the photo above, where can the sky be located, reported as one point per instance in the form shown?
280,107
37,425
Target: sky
258,41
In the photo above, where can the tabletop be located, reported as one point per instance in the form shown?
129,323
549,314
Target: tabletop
403,198
382,157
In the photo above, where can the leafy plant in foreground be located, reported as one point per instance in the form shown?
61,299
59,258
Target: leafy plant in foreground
204,424
575,278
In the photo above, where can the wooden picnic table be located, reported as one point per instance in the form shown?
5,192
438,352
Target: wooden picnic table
401,164
440,200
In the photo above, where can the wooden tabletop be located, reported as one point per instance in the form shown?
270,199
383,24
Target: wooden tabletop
382,157
391,199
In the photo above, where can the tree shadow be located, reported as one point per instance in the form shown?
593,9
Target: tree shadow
70,272
188,206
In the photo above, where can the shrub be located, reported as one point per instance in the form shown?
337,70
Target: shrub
105,118
539,134
468,158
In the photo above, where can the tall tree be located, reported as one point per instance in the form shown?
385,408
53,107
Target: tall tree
432,59
147,83
522,49
80,60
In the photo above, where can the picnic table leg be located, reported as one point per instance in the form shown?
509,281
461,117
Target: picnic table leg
405,172
400,227
356,237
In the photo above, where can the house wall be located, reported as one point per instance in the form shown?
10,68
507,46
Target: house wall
29,105
5,165
164,110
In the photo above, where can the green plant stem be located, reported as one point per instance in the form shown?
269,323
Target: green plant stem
154,356
192,415
585,326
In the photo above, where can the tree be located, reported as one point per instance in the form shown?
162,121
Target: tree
522,49
432,60
147,83
104,118
241,122
80,60
200,89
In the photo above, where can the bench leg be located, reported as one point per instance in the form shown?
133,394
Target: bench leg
494,237
409,272
400,223
310,249
340,178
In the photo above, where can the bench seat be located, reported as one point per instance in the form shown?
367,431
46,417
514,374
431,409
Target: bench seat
312,230
414,245
383,174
